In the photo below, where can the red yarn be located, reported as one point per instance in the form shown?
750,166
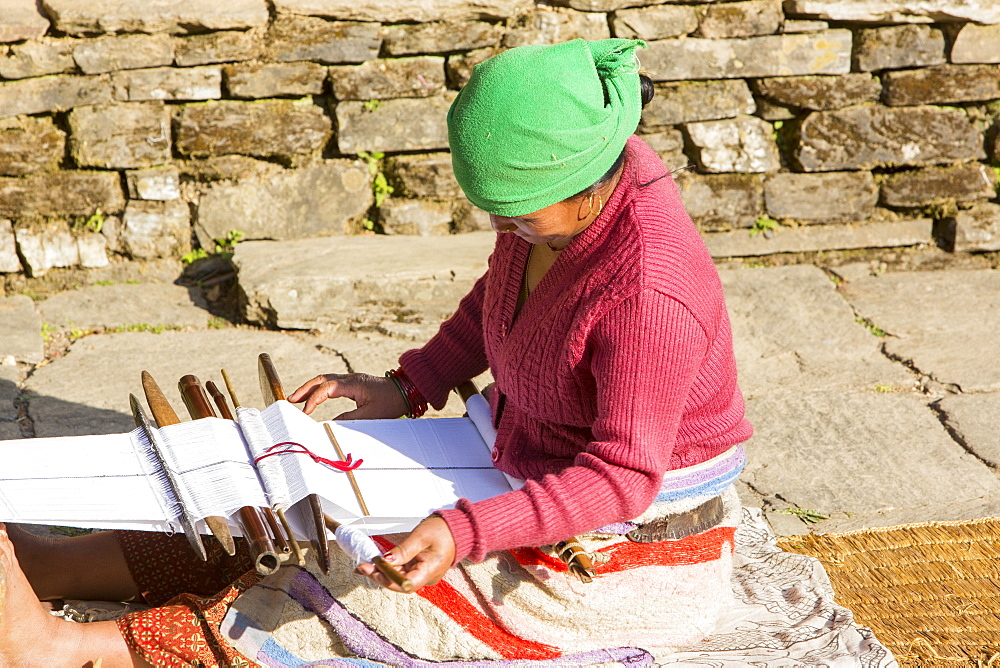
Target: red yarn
338,465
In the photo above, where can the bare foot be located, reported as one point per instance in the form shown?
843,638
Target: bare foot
29,636
23,622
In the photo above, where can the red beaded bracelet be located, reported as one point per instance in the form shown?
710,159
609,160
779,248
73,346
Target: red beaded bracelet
415,401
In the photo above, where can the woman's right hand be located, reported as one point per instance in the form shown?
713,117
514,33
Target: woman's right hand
375,397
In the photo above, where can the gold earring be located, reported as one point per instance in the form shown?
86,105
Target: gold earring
600,204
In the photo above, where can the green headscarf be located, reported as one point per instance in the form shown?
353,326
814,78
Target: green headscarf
539,123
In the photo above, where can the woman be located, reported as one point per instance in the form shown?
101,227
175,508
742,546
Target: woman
602,320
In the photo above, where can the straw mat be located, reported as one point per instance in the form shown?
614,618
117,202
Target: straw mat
930,592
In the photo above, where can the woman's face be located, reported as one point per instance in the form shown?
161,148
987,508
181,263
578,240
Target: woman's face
555,224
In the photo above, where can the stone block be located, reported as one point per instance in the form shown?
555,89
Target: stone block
974,229
820,93
176,17
870,136
941,85
469,218
415,217
30,144
156,229
993,142
657,22
552,25
771,112
123,52
10,263
114,136
47,246
896,11
92,247
230,168
159,183
976,44
111,230
254,81
722,201
812,238
292,39
20,20
791,26
396,125
439,37
67,193
742,144
729,20
226,46
168,83
416,11
389,78
422,175
694,101
921,187
600,5
54,93
823,198
38,58
896,47
21,330
664,140
356,279
316,201
669,145
459,67
268,128
827,52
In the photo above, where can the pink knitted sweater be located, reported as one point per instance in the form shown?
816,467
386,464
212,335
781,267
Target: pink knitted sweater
618,368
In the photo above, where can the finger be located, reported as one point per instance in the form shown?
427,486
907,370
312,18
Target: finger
306,388
327,390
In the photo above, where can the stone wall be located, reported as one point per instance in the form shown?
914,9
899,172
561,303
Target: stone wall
141,130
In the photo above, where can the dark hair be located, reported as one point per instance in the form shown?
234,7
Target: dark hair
646,85
647,91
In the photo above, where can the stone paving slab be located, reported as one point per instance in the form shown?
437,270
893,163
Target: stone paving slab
10,378
123,305
939,321
951,511
329,282
792,331
974,419
836,452
20,330
86,391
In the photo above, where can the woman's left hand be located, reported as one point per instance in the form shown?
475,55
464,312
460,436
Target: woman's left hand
424,556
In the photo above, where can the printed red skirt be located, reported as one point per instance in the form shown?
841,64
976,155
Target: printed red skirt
191,598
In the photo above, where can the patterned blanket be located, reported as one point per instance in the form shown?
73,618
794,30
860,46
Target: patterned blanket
734,600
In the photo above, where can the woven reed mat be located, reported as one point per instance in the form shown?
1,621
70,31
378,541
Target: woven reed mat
930,592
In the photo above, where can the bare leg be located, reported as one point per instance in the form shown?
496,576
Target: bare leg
84,567
31,637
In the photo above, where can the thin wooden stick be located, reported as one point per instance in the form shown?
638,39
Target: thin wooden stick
350,474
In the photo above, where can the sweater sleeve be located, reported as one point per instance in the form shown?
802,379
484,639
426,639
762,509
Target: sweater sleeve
454,355
646,353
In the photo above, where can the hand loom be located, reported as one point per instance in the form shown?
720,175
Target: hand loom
367,477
